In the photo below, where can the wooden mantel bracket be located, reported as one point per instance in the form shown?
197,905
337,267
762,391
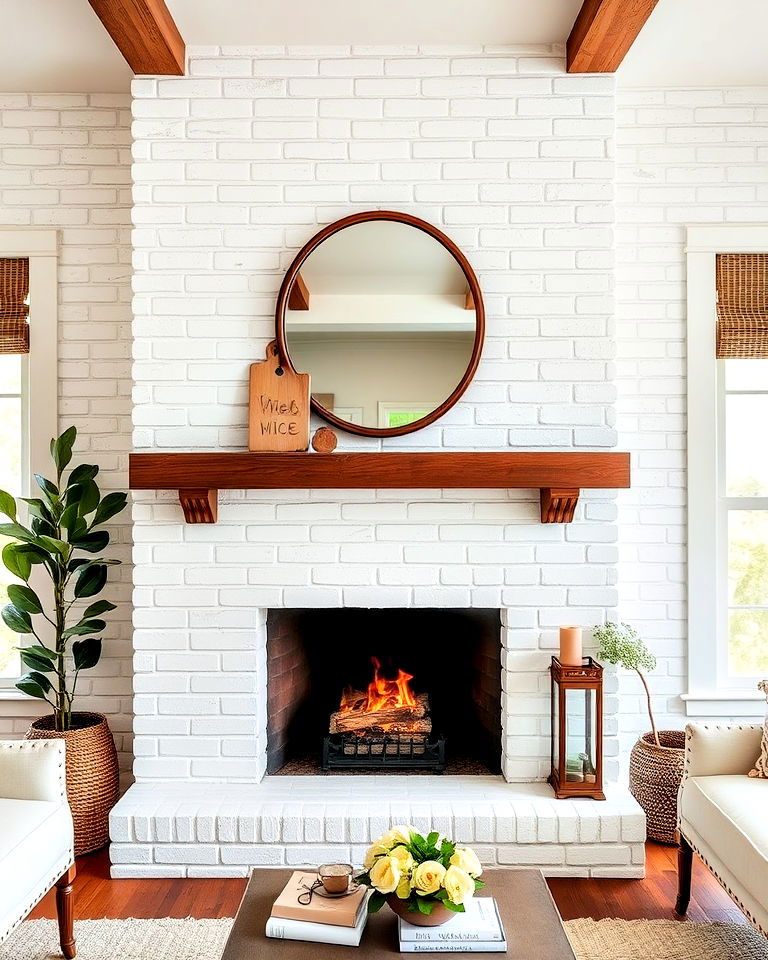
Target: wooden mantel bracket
558,504
559,477
200,506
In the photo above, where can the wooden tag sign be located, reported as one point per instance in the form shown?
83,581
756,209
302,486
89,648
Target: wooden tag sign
278,418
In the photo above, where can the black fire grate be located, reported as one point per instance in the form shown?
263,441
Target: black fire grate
346,751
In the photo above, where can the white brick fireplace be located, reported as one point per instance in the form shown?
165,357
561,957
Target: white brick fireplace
236,166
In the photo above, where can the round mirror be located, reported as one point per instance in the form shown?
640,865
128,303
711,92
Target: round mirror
385,314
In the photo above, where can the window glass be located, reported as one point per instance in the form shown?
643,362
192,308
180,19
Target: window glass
10,480
746,456
746,374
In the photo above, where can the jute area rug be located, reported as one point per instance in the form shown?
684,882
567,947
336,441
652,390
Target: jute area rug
204,940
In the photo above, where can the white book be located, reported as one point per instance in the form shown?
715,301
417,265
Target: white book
479,922
317,932
455,946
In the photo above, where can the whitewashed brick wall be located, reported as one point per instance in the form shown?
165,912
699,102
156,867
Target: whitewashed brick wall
236,166
65,163
683,156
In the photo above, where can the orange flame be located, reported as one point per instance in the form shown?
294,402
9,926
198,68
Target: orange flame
382,694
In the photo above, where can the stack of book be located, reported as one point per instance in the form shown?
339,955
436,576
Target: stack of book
478,929
337,920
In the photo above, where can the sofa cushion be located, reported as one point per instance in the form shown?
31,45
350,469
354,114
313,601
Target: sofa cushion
730,812
36,845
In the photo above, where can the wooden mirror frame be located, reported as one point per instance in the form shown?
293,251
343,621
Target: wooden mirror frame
474,289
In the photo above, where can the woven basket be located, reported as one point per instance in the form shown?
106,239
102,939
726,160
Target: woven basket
654,779
92,774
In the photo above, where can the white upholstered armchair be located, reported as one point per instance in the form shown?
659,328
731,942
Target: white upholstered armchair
36,835
723,816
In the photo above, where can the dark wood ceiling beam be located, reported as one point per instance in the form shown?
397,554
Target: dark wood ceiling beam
603,33
145,33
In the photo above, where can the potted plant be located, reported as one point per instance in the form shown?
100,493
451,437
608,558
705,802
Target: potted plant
656,761
57,550
424,880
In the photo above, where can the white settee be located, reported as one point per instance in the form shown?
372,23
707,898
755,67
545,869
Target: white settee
723,816
36,834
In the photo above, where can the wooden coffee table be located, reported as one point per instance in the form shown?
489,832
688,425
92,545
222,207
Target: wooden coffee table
531,922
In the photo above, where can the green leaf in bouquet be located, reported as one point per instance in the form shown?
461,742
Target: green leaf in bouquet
376,901
432,838
7,505
24,598
455,907
17,620
86,653
425,906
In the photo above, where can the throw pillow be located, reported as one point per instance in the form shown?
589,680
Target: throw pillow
761,765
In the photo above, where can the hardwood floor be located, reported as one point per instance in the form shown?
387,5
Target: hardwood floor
653,898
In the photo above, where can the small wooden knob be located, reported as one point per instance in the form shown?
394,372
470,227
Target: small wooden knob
324,440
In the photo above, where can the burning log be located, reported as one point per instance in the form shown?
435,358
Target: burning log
411,719
387,706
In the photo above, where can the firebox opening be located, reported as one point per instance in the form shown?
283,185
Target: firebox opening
376,677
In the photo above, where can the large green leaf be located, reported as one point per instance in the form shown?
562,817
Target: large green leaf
111,505
42,528
30,659
7,505
73,523
17,560
101,606
24,598
76,563
86,653
40,679
18,532
53,545
85,494
61,449
91,580
92,542
31,687
40,651
18,620
82,473
38,508
48,488
84,627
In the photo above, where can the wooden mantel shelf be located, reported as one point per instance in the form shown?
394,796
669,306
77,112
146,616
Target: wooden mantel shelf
198,477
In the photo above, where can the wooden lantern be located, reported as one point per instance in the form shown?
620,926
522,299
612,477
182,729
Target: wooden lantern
577,729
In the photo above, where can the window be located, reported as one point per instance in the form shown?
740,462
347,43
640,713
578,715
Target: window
727,472
28,384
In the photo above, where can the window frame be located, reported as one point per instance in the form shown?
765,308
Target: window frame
39,368
708,694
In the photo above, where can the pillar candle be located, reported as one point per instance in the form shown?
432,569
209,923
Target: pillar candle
570,646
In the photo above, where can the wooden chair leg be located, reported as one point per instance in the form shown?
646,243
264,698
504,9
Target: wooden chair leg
65,909
684,872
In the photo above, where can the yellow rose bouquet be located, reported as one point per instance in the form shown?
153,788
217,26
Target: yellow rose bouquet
417,874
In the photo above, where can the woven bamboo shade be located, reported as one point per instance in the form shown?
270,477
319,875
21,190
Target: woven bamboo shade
741,281
14,290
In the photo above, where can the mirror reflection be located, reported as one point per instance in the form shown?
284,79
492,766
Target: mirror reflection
382,317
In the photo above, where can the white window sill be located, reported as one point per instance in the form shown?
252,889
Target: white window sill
722,703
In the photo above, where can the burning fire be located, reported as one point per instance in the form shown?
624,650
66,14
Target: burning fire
382,694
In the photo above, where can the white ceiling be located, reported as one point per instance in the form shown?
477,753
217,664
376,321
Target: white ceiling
60,46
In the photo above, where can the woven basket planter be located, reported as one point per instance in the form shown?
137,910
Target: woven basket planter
654,779
92,774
